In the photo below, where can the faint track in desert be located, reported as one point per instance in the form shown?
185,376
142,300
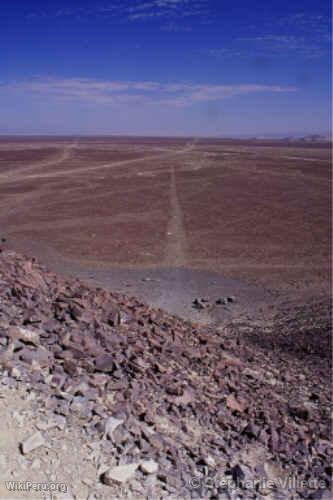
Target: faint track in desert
302,158
176,247
19,173
82,170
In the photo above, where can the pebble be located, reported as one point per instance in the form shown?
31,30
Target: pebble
32,443
36,464
120,474
18,417
111,425
24,334
149,466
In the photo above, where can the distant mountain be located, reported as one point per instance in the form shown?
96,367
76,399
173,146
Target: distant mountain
316,138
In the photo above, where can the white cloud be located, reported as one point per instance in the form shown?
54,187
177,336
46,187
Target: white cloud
139,92
287,44
166,10
177,28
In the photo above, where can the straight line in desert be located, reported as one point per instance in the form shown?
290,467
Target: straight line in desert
176,247
325,160
189,146
64,154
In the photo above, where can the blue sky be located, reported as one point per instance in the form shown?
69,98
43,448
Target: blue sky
165,67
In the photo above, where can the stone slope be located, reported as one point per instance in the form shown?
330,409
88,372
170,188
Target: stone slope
215,412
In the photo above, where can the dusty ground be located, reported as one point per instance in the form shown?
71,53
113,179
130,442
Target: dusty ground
53,464
197,217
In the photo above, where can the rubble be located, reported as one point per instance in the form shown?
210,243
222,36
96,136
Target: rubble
111,425
149,466
120,474
32,442
166,399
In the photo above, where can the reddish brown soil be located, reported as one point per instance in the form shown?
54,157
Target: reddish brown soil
255,210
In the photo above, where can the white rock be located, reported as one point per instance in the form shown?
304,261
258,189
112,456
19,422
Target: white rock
43,426
18,417
209,460
111,425
149,466
91,496
16,373
31,396
24,334
33,442
120,474
58,421
36,463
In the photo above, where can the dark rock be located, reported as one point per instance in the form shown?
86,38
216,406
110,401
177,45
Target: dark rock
70,367
105,363
199,304
298,410
237,474
221,302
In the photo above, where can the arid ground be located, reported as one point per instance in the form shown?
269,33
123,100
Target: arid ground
155,406
161,218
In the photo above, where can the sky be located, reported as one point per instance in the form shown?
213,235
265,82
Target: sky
165,67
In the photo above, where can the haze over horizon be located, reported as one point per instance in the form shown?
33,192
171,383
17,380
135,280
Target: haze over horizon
165,67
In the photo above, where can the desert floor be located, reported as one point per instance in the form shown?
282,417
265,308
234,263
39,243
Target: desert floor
169,220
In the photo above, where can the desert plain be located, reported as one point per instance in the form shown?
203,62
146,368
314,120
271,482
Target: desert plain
196,346
172,219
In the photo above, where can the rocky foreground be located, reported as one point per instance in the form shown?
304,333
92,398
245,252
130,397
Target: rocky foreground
167,409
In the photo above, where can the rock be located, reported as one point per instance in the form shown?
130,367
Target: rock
23,334
221,301
298,410
120,474
149,466
235,405
237,474
39,357
16,373
251,430
58,421
36,464
32,443
111,425
19,418
200,303
210,461
114,318
6,355
105,363
70,367
92,496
